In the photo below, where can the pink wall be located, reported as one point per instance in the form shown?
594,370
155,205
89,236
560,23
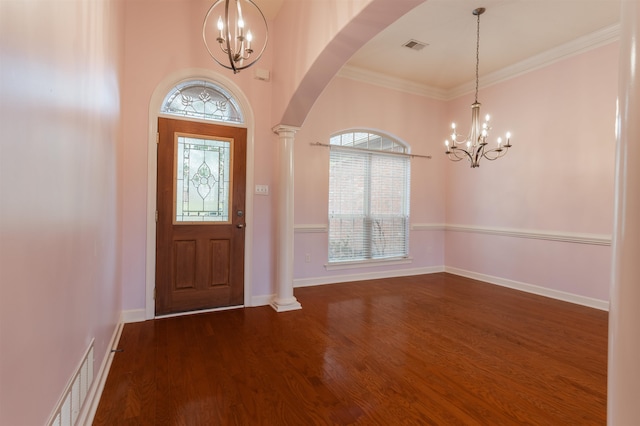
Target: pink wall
552,181
347,104
59,214
558,177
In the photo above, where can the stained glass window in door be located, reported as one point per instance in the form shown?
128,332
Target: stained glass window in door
203,186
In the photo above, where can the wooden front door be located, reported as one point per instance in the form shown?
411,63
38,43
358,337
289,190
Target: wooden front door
201,217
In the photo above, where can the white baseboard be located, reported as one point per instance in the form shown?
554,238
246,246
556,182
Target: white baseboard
133,315
263,300
95,393
531,288
334,279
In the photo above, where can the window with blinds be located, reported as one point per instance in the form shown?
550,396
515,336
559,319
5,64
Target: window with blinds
369,181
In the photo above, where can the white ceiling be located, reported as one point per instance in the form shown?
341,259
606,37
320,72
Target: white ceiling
511,31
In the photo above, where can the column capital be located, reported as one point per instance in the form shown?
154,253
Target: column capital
283,129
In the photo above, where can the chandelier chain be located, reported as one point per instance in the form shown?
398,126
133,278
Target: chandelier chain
477,54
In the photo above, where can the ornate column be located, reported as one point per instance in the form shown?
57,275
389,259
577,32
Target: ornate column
284,299
624,313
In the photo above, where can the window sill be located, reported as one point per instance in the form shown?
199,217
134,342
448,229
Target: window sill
367,263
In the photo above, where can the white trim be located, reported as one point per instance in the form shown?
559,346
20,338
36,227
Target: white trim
66,396
154,112
95,393
335,279
566,237
354,264
382,80
287,305
580,45
201,311
313,228
310,229
262,300
133,315
428,226
531,288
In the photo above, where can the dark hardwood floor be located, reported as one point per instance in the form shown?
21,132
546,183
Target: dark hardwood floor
426,350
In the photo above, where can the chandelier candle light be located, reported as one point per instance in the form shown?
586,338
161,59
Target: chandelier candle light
474,146
236,26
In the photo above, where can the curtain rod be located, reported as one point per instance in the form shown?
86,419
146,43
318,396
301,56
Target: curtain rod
402,154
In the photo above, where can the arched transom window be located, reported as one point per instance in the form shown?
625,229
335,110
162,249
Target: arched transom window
202,99
369,177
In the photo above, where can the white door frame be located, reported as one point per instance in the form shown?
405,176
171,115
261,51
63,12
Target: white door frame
152,167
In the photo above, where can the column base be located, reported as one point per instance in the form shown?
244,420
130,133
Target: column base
285,305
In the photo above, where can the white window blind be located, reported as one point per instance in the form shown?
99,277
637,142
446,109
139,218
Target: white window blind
368,203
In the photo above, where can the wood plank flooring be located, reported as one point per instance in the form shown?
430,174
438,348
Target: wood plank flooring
434,349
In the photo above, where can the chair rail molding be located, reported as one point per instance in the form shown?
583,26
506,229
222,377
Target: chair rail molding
566,237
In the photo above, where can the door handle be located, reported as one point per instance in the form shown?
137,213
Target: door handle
240,225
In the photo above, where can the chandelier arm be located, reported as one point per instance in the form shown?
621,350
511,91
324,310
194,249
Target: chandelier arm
454,158
495,153
466,155
457,152
459,139
224,50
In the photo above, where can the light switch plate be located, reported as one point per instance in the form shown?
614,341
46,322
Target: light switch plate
262,189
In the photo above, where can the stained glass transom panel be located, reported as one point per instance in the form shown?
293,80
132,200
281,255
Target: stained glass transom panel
203,186
202,99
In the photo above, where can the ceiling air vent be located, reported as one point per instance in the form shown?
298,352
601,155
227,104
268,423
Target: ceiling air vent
415,45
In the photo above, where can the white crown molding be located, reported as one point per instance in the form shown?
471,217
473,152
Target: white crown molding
575,47
531,288
566,237
393,83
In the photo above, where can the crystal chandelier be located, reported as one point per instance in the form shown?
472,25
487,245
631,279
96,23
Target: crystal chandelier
474,146
237,26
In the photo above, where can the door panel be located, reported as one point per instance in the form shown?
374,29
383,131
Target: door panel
220,261
200,227
185,266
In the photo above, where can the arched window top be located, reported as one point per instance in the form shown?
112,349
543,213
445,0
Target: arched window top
202,99
361,139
